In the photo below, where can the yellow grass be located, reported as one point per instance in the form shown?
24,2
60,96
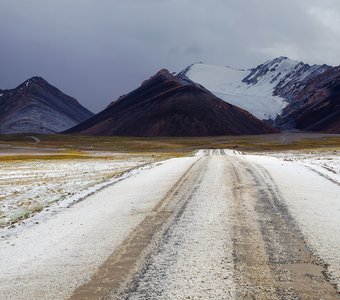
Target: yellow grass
51,147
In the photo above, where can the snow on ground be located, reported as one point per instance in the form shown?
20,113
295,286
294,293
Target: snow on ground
325,163
311,197
28,186
226,83
44,257
194,259
46,260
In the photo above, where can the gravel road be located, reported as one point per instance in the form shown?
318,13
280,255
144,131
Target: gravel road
216,226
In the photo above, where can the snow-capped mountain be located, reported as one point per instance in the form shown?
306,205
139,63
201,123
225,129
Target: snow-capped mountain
35,106
264,91
167,105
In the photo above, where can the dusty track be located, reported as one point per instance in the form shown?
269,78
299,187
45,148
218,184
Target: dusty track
214,226
222,232
115,273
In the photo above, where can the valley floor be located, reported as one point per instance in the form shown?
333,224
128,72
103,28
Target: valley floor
218,225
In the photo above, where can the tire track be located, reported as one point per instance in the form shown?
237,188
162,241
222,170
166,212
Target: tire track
164,236
117,272
323,175
296,273
252,274
182,250
192,259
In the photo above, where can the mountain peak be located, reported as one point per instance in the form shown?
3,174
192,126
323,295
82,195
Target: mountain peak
167,105
38,107
37,80
264,90
272,71
281,58
163,72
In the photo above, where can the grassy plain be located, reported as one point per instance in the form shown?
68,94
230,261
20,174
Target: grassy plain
87,147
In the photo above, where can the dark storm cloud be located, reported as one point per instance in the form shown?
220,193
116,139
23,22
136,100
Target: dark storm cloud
96,50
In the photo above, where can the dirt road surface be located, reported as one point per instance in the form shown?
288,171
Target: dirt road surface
214,226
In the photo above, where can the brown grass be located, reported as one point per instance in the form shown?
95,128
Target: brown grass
16,147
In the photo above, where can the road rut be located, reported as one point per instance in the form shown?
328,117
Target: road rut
272,258
215,226
222,232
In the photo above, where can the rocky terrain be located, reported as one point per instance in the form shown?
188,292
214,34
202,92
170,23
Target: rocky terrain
315,107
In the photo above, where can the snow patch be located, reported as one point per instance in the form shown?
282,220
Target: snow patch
227,84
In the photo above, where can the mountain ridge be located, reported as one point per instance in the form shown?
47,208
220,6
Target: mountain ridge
317,106
36,106
167,105
263,91
289,94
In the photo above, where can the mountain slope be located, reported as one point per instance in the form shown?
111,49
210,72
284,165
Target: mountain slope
35,106
317,106
263,91
167,105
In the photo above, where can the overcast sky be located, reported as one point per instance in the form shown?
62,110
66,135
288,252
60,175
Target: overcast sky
97,50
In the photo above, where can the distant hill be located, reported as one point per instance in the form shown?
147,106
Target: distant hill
167,105
36,106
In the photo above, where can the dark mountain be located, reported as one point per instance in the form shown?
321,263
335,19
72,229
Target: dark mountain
167,105
316,107
35,106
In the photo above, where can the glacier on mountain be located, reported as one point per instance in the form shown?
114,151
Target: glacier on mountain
264,91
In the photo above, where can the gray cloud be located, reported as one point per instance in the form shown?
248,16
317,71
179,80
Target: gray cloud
96,50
